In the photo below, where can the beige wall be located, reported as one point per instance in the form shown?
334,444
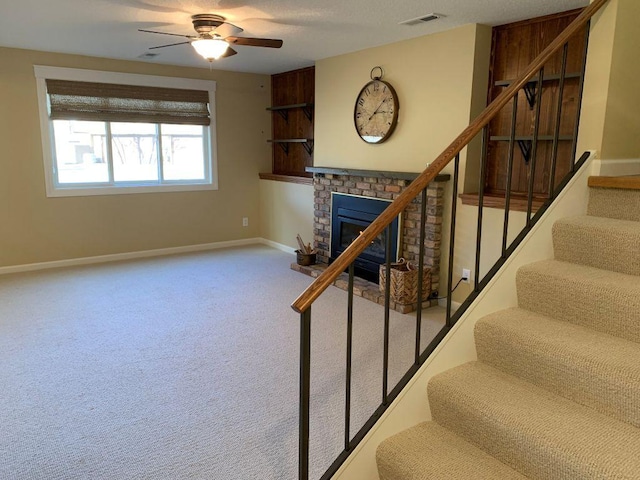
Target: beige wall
441,81
286,209
621,139
35,228
610,119
434,78
597,78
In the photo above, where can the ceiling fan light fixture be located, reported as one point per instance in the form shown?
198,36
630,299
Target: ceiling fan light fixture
210,48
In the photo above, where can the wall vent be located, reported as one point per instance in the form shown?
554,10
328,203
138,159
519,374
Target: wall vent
421,19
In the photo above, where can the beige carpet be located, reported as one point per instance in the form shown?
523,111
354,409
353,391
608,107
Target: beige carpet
182,367
555,393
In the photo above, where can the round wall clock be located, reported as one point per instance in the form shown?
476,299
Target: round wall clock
376,110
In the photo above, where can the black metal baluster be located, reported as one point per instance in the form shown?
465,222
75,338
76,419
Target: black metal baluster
507,198
534,147
452,237
305,387
423,221
556,133
483,172
347,407
387,304
580,92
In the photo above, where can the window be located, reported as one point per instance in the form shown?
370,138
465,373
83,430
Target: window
108,133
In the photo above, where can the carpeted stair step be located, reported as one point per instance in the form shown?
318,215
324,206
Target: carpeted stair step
578,363
431,452
538,433
606,301
621,204
599,242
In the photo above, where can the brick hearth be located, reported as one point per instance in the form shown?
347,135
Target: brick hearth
386,186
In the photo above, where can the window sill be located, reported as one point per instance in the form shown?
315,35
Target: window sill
286,178
126,190
493,200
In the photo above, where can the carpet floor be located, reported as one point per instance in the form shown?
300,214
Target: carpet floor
181,367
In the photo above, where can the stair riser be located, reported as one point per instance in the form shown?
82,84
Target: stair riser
611,309
587,380
614,203
603,248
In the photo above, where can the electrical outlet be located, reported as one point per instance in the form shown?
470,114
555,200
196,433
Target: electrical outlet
245,221
466,273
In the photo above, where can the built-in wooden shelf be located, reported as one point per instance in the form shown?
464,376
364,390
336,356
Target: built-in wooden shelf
286,178
546,78
290,140
283,110
289,107
307,143
529,138
517,203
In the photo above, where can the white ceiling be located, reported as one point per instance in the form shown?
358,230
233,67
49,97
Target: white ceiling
311,29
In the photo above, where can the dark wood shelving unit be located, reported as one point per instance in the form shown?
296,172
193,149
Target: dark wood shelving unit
514,46
292,100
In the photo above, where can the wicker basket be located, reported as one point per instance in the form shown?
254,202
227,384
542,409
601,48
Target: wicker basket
404,282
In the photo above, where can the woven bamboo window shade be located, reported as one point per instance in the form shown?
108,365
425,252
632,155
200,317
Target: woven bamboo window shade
72,100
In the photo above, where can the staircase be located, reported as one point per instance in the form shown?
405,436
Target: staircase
555,392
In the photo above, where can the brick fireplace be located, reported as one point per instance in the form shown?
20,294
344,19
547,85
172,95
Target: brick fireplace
384,186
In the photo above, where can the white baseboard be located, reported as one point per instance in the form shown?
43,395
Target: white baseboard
612,168
116,257
277,245
442,302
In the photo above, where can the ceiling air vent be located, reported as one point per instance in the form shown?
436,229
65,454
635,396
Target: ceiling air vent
422,19
148,55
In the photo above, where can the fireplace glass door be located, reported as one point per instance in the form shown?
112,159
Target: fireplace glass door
350,215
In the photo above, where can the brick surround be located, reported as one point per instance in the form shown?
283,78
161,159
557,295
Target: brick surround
387,186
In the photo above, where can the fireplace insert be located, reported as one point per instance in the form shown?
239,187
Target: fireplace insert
350,215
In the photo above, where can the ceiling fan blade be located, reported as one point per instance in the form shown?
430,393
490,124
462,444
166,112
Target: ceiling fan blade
165,33
255,42
227,29
169,45
229,53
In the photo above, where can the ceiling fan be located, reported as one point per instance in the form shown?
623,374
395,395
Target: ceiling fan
215,37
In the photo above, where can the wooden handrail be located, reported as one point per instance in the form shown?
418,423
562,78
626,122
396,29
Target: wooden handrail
324,280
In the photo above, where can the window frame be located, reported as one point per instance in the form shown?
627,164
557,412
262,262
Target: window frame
53,189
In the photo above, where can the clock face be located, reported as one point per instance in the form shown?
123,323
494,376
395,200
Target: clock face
376,111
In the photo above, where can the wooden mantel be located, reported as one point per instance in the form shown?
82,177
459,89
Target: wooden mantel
373,173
